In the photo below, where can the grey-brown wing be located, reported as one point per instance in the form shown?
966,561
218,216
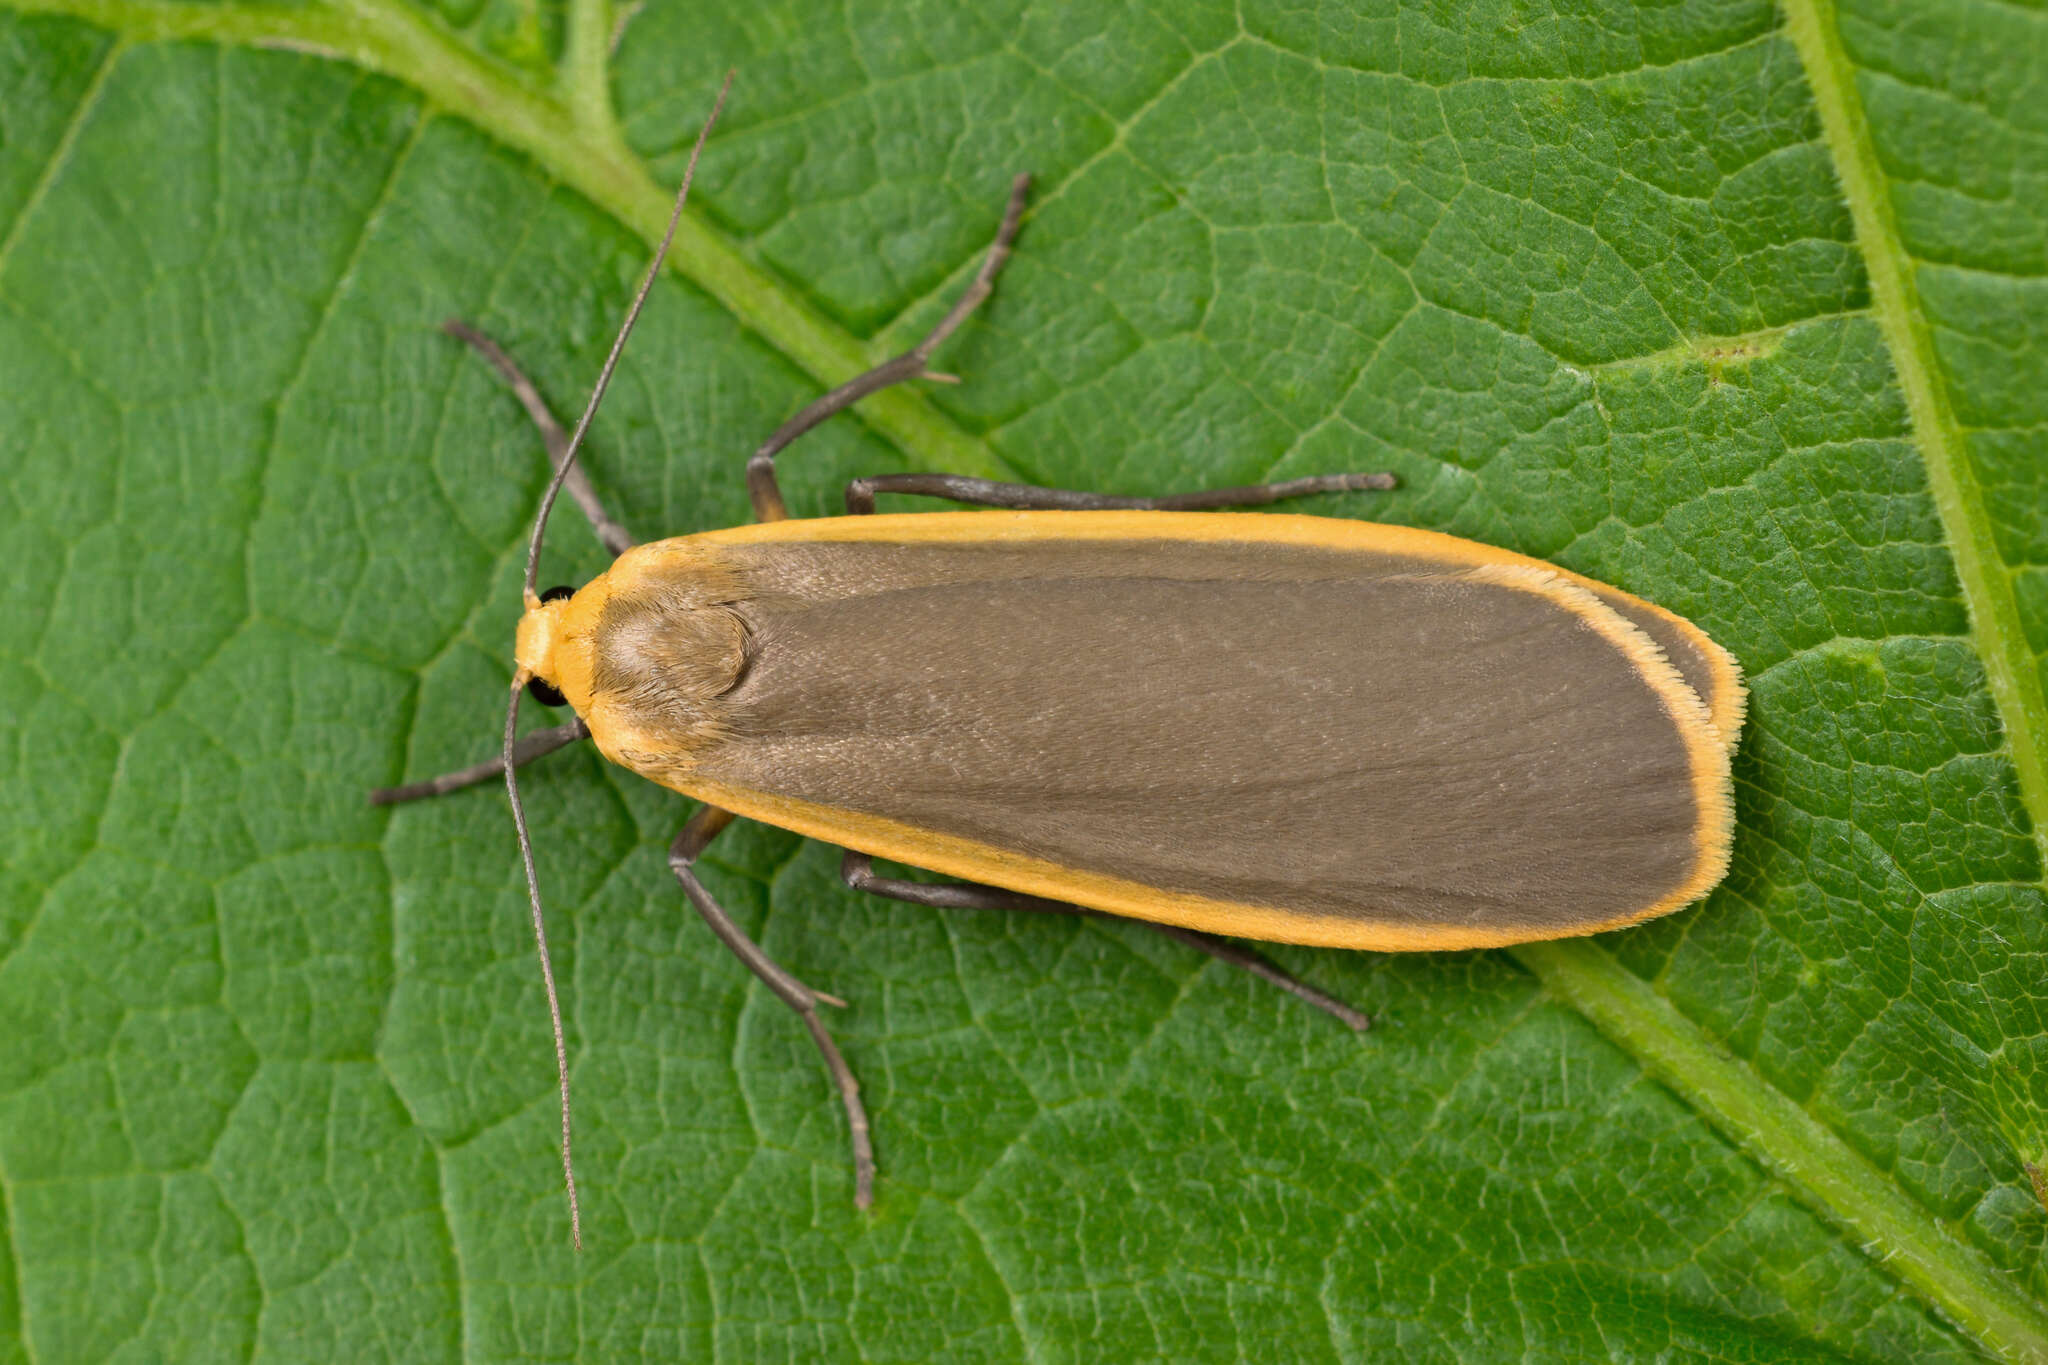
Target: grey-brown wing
1254,723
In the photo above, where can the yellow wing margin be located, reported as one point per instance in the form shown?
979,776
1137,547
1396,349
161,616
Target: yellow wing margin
1707,740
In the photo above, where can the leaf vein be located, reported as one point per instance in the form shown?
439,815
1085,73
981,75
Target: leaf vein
60,155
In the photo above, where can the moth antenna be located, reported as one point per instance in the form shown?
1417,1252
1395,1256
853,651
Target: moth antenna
611,362
521,677
540,941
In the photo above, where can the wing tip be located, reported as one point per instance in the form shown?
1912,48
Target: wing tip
1709,746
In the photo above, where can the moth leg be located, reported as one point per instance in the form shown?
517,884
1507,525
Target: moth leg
761,485
533,746
612,535
860,494
857,870
792,992
698,832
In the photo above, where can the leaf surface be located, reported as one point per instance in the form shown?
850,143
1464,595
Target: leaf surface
1741,310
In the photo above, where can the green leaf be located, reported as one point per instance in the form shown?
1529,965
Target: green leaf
1737,308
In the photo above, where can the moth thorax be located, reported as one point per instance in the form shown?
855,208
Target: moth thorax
660,666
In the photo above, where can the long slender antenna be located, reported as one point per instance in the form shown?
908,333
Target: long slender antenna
547,966
520,677
611,362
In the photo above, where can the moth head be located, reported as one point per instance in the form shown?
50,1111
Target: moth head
545,651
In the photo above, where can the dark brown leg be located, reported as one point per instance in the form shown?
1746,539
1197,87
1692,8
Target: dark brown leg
857,870
698,832
761,485
860,494
533,746
787,988
609,532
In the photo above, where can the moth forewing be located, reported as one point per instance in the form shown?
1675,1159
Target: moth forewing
1288,728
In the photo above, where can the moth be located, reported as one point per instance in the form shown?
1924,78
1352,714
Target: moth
1287,728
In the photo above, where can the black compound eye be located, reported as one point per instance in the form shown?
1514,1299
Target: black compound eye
557,593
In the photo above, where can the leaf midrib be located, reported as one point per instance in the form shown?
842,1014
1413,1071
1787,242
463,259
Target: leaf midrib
1794,1145
575,138
577,148
2000,638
